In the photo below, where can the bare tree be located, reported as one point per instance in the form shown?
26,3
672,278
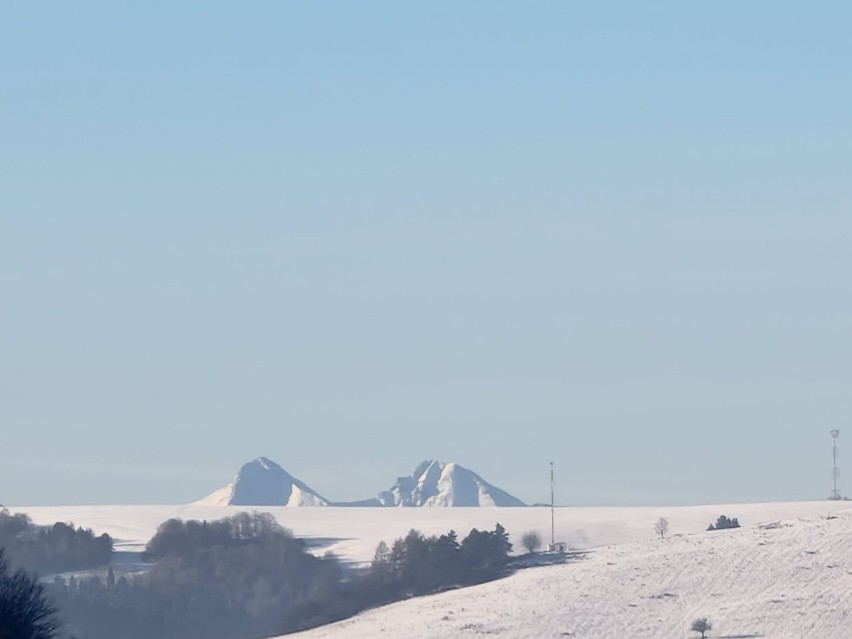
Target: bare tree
701,625
662,527
531,540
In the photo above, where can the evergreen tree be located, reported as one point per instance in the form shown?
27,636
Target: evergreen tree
24,610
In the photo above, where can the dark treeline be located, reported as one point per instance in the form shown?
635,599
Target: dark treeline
51,549
177,538
417,565
246,577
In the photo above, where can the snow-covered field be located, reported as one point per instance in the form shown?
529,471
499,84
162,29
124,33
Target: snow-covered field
793,581
353,533
788,580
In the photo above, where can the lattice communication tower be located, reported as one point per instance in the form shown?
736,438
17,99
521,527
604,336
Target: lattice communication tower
835,471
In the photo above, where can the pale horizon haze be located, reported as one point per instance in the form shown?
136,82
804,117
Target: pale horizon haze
353,236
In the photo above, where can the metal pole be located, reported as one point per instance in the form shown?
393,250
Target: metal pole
835,473
552,517
834,454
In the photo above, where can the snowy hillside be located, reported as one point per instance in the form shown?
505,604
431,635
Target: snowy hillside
262,482
353,533
435,483
790,580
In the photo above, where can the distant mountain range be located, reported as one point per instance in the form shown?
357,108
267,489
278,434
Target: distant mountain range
262,482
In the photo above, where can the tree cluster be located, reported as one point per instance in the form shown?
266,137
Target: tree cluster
244,576
176,538
416,565
723,523
51,549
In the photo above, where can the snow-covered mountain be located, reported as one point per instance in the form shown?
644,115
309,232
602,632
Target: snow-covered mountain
262,482
435,483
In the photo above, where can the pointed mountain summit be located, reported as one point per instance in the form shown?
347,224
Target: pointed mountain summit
262,482
435,483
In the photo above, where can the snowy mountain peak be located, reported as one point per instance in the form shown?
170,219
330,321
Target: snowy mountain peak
266,464
436,483
262,482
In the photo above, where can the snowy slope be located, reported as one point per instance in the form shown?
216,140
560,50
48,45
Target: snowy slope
793,581
790,582
262,482
435,483
353,533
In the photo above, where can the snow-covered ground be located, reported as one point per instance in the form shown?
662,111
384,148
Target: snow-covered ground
791,581
787,574
353,533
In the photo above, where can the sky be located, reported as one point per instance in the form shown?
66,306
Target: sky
353,236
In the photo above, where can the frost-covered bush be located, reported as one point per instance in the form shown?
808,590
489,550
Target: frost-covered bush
531,540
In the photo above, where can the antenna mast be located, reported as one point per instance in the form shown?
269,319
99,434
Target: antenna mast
552,518
835,472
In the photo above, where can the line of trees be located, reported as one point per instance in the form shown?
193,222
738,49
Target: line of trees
417,565
51,549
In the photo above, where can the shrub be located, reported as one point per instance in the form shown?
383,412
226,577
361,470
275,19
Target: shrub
723,523
531,540
701,625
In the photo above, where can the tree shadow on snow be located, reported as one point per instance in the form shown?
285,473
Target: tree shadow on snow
322,542
535,559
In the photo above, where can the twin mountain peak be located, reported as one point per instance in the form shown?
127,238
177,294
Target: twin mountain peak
262,482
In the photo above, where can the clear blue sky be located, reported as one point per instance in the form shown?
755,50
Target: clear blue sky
352,236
